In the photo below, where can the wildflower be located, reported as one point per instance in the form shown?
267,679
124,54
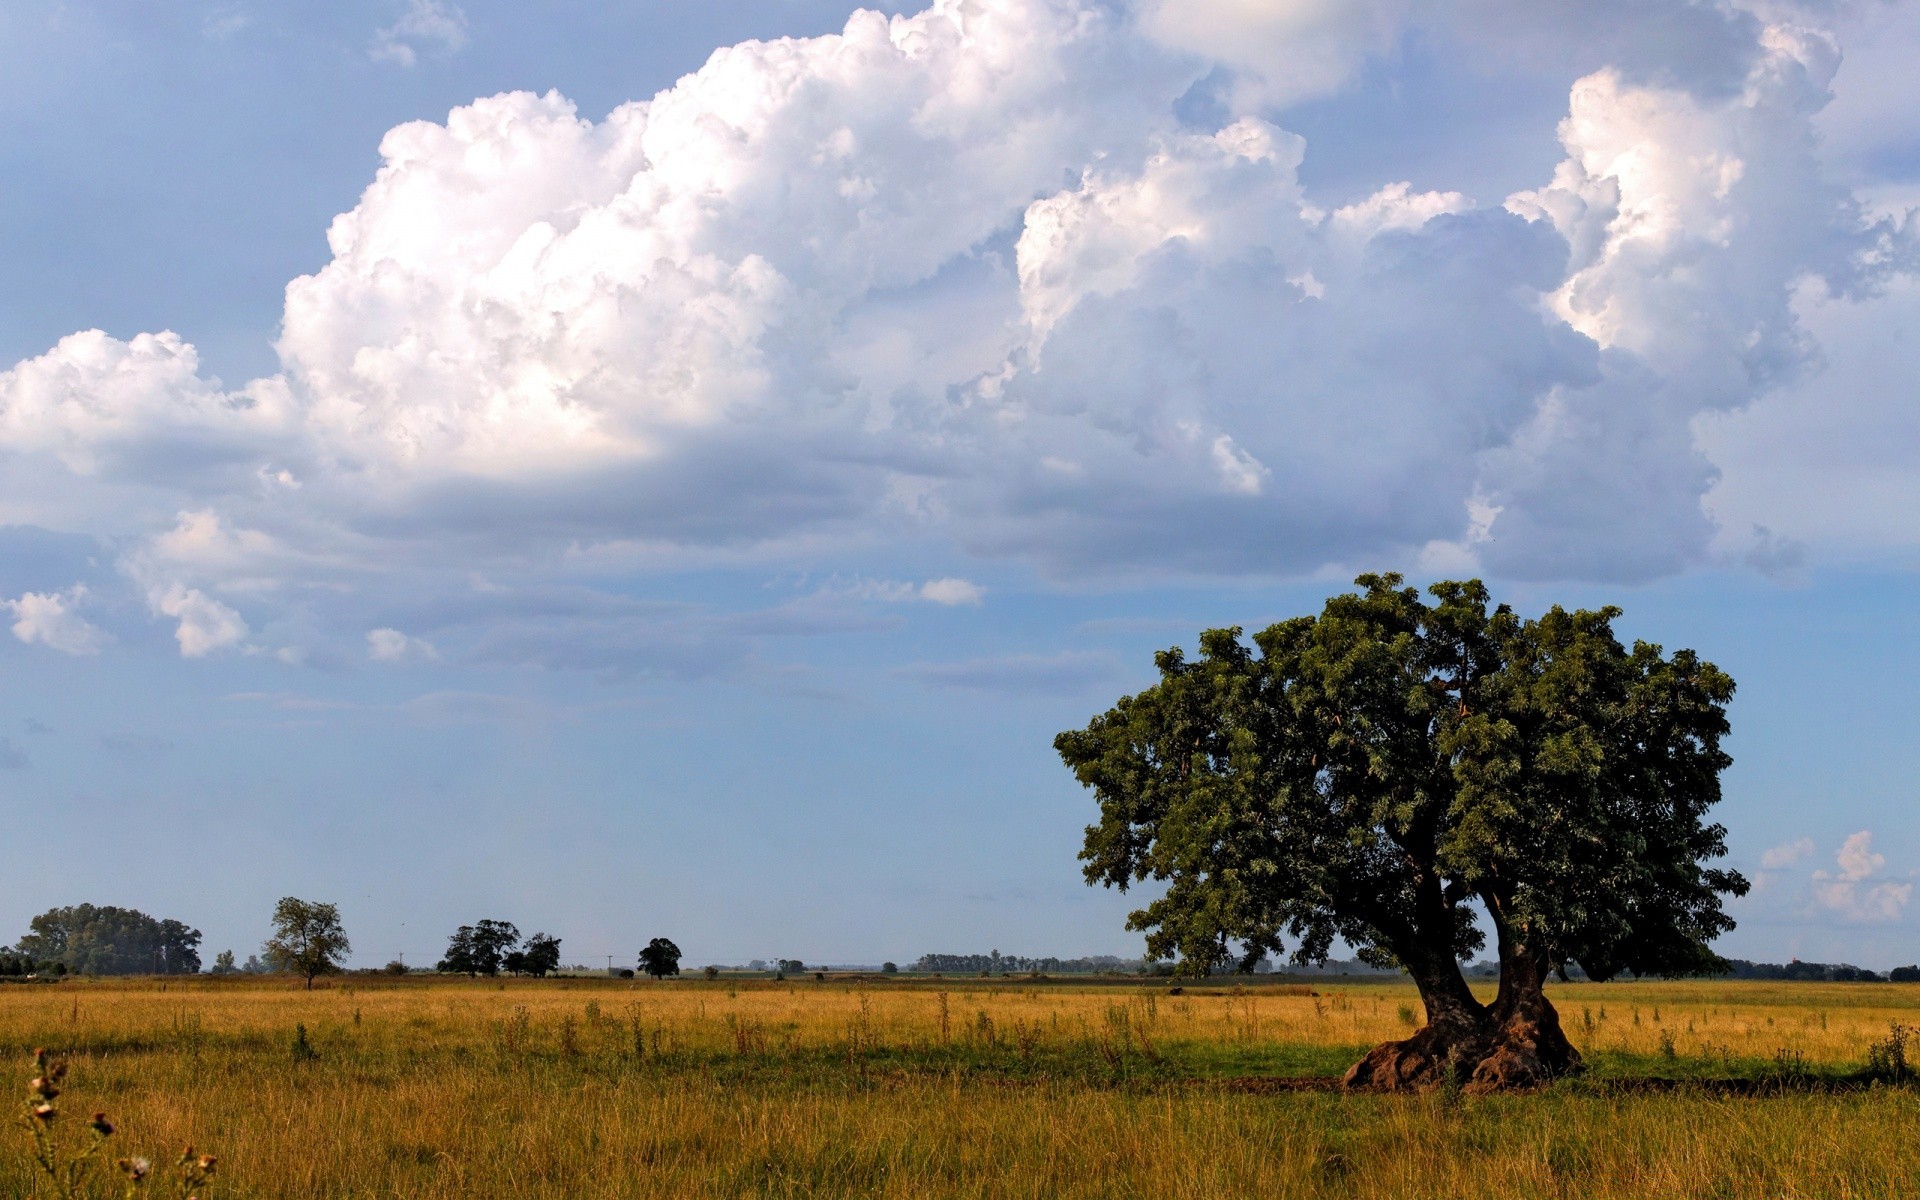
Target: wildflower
101,1125
136,1168
43,1088
44,1111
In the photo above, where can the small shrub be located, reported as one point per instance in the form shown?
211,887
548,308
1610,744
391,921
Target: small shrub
1406,1016
303,1050
1789,1066
1887,1059
1667,1049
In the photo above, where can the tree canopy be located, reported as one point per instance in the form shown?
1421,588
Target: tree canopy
308,939
479,949
1388,770
539,957
91,939
661,958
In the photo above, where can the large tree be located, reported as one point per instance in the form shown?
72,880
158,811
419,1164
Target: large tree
660,958
90,939
308,939
542,956
479,949
1384,772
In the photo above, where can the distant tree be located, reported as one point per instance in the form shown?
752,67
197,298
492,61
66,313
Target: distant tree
253,966
792,966
394,967
1909,974
513,962
92,939
889,968
479,949
179,949
223,963
460,958
1382,772
661,958
307,940
542,955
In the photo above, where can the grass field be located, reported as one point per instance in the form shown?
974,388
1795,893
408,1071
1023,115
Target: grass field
456,1088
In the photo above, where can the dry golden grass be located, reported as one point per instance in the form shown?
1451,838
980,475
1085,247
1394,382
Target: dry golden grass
602,1088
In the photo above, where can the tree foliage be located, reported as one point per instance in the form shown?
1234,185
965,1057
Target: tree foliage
661,958
539,957
308,939
89,939
479,949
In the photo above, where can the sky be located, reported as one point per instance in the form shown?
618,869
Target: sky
671,468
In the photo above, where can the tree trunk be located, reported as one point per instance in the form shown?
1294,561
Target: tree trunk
1529,1047
1455,1036
1515,1044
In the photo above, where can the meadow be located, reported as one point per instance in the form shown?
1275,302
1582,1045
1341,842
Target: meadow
413,1087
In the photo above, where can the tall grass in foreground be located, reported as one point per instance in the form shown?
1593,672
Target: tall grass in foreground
602,1088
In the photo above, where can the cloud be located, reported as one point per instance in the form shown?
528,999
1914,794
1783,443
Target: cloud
390,645
1786,854
1825,461
49,619
1282,50
1691,220
205,624
979,277
952,592
948,591
436,25
1067,673
12,757
1857,892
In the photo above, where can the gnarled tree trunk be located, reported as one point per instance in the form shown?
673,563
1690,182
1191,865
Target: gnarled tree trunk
1529,1048
1515,1043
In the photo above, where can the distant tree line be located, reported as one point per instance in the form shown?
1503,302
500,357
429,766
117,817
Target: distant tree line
997,963
1812,972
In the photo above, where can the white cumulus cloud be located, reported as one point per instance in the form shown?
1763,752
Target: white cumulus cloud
390,645
50,619
980,275
1857,891
205,624
1786,854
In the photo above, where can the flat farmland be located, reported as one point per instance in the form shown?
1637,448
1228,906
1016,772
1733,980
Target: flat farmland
414,1087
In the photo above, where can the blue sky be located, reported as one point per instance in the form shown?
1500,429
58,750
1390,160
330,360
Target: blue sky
581,465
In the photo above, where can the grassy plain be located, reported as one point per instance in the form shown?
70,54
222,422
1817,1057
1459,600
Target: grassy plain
600,1088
